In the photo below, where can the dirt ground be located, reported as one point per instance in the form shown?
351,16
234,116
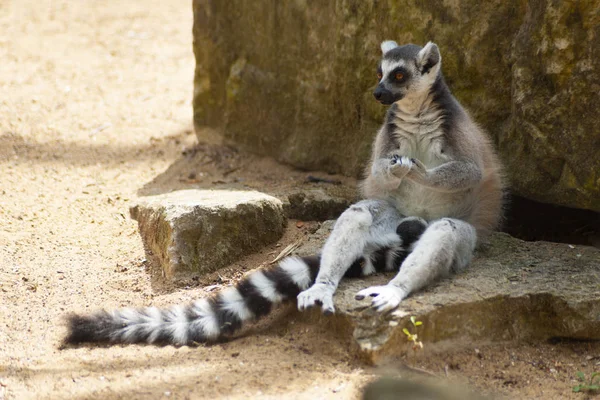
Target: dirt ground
95,103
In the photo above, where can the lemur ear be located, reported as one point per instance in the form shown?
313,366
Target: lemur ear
388,45
429,57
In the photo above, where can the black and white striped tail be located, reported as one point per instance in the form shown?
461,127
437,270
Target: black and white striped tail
204,320
219,316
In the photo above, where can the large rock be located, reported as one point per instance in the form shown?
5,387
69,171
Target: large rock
514,290
294,80
195,231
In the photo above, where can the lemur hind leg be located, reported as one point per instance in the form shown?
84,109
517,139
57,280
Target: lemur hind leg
446,246
363,228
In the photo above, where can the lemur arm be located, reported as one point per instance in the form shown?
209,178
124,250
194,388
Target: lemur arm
380,179
452,176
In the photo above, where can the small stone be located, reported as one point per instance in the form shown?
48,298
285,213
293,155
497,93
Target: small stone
197,231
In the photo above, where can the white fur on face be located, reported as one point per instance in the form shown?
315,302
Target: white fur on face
388,66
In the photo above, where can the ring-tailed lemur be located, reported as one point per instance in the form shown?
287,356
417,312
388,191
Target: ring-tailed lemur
429,160
433,187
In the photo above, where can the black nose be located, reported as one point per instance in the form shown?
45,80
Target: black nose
378,93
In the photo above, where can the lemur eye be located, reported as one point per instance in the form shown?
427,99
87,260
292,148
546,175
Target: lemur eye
379,75
399,76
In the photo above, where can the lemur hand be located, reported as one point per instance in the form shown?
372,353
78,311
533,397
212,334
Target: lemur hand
399,166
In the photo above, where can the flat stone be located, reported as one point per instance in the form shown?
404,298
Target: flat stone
513,291
197,231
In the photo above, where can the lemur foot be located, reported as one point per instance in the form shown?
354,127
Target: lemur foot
319,294
385,297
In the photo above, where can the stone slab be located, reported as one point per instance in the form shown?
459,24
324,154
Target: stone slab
197,231
513,291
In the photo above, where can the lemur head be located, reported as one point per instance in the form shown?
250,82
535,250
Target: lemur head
405,71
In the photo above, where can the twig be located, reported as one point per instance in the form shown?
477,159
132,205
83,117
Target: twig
287,251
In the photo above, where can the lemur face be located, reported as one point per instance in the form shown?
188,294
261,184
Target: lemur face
405,71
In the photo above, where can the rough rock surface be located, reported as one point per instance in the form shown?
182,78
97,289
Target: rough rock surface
514,290
294,80
314,205
202,230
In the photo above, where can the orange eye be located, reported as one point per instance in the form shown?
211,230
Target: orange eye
399,76
379,75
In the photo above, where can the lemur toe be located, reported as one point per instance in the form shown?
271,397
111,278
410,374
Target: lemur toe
385,298
317,295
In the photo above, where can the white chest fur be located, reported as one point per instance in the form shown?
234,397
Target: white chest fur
420,136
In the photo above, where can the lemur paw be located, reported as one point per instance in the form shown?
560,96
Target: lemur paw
400,166
319,294
385,298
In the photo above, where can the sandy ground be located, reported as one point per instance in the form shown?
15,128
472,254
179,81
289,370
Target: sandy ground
95,102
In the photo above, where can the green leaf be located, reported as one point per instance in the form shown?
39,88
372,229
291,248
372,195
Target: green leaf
418,323
580,375
593,387
412,319
406,332
595,374
577,389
